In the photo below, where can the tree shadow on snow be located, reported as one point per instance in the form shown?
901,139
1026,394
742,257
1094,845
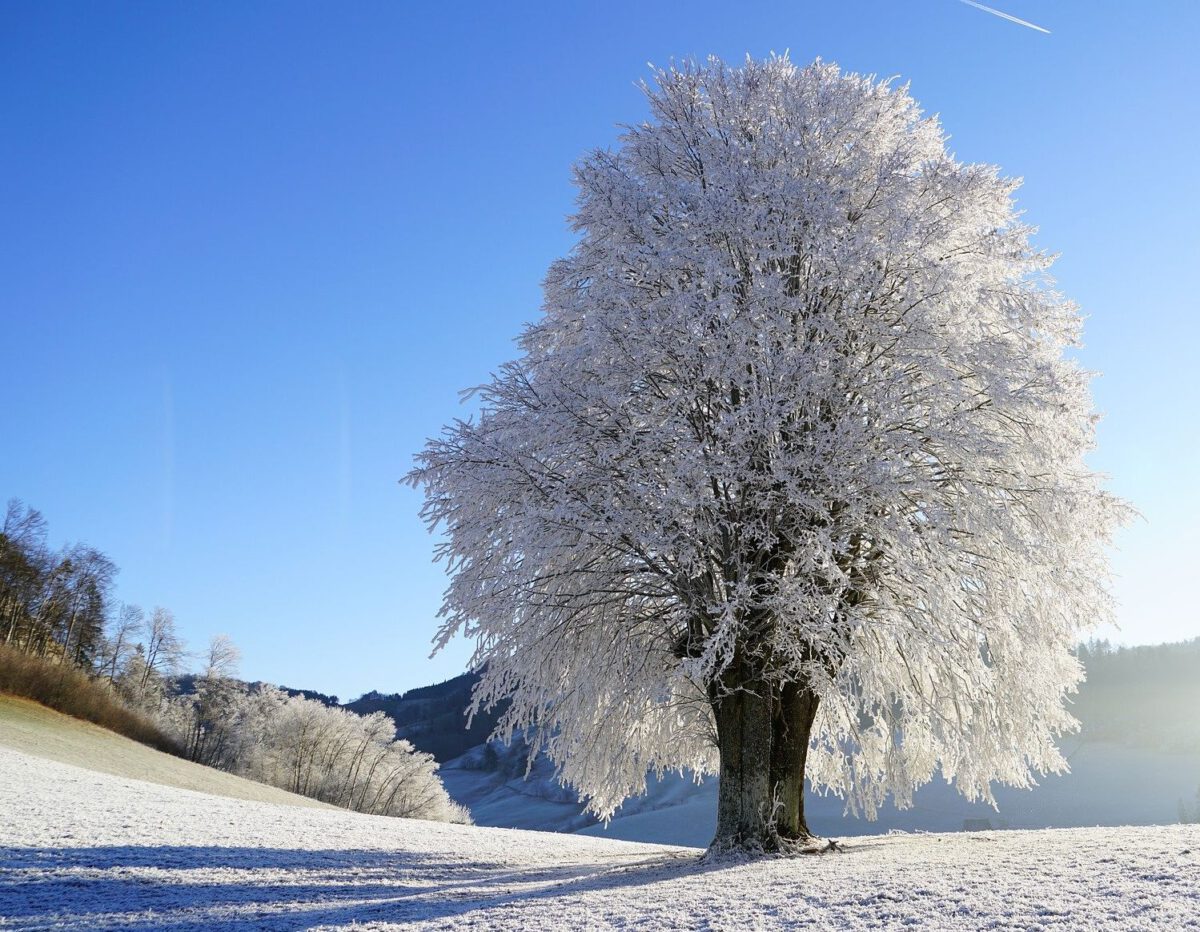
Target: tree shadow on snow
181,887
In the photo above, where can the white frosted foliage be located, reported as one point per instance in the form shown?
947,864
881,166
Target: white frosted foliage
799,394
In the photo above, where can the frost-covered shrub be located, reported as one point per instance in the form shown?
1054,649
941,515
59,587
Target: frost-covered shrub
306,747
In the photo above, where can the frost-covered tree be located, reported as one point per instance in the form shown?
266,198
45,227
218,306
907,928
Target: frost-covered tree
117,647
336,756
163,648
789,478
212,710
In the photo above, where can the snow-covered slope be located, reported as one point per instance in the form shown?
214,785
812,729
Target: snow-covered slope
86,850
499,792
33,728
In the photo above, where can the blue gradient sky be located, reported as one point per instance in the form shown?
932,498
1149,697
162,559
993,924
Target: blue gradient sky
251,252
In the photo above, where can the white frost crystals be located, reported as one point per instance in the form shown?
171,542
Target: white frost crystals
796,413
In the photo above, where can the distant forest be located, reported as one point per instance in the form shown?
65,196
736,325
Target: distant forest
1146,696
433,718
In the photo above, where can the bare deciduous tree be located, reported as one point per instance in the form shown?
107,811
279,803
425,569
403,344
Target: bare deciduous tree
163,648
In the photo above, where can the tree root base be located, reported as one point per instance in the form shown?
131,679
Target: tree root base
777,847
819,846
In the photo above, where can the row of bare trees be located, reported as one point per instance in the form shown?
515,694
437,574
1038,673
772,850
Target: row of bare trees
58,605
52,602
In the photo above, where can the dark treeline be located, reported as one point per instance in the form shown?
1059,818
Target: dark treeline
434,717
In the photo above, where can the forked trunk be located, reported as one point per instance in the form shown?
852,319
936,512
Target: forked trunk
744,805
795,708
763,734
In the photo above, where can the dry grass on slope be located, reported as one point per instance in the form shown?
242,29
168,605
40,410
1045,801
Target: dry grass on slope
31,728
71,691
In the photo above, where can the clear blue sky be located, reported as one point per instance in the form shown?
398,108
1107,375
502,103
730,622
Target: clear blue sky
251,252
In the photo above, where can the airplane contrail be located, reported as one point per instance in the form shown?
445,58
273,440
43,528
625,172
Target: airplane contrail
1011,19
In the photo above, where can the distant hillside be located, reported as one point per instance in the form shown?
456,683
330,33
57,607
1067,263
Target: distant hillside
433,717
1141,697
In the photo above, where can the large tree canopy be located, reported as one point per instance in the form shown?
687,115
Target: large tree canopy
790,473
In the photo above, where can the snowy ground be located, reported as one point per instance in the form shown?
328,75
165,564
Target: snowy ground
87,850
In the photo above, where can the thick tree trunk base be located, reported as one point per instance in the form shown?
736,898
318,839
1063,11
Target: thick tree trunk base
740,850
763,732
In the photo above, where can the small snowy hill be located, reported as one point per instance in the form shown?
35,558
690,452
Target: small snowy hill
492,782
34,729
91,851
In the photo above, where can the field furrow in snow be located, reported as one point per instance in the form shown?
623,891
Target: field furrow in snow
86,850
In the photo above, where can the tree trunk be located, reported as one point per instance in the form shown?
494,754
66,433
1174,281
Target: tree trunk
744,805
763,733
795,708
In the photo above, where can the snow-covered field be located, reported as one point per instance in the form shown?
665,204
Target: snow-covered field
87,850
